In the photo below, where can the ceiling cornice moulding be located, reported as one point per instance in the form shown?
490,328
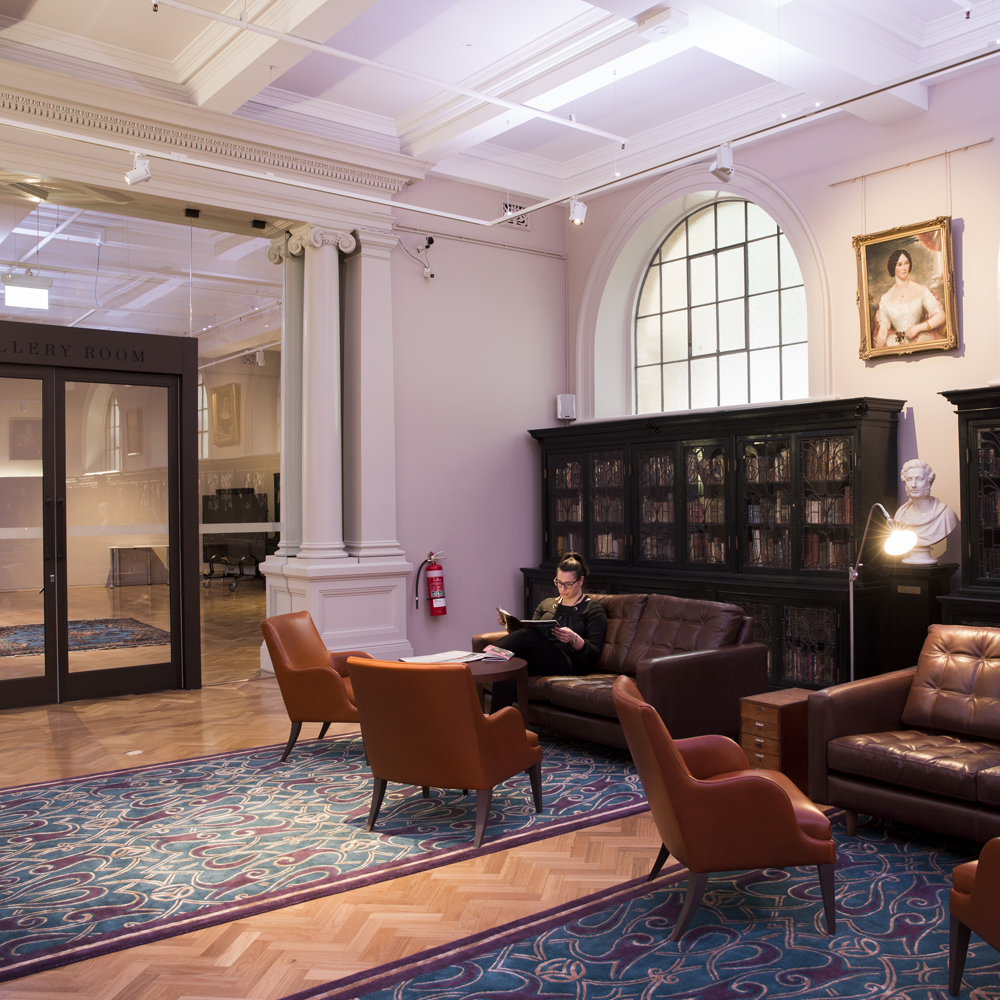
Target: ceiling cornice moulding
124,128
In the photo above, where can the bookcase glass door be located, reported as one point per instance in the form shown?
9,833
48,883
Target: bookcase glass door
565,490
606,483
766,510
705,503
825,502
988,491
809,646
657,519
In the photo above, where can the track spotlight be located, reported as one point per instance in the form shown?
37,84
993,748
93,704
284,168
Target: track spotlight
722,165
26,291
577,212
140,170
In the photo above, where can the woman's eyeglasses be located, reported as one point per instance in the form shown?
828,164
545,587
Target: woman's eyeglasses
563,585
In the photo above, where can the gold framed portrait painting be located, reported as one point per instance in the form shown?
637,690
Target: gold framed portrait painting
226,415
906,290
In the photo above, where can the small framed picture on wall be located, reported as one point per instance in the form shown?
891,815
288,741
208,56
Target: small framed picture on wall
226,415
25,439
906,290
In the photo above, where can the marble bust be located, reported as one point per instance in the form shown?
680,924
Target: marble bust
926,516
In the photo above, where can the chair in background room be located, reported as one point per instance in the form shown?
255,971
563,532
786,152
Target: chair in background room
715,814
974,904
315,683
422,725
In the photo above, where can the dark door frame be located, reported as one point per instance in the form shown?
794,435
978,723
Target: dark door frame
32,350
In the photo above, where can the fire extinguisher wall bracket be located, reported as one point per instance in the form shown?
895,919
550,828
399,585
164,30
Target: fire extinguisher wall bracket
435,585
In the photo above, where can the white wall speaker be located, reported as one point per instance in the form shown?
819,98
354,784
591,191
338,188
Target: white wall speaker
566,407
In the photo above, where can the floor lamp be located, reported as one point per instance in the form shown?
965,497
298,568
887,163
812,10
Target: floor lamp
899,541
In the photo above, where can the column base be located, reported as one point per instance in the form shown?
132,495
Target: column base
355,605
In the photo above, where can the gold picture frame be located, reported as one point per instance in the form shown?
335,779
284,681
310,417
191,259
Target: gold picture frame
226,415
906,290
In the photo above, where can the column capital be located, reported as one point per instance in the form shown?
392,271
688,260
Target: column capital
376,242
317,237
277,251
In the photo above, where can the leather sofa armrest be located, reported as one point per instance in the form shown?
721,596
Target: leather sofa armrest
870,705
484,639
699,692
707,756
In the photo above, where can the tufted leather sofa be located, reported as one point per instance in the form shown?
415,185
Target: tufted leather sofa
691,660
920,745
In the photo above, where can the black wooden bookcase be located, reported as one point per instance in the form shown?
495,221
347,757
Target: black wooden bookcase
758,506
977,602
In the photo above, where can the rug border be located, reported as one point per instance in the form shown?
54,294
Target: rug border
113,941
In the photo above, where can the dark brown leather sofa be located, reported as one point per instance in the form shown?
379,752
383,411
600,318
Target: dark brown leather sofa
922,745
691,660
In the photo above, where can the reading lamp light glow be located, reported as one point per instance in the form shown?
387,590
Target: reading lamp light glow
898,542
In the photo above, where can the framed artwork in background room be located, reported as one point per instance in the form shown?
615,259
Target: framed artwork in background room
906,290
226,415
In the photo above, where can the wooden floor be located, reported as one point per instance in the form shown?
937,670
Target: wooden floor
278,953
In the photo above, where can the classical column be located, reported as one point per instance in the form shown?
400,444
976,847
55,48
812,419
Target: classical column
369,415
322,419
292,271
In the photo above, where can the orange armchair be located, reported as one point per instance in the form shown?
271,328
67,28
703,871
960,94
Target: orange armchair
974,904
716,815
422,725
315,684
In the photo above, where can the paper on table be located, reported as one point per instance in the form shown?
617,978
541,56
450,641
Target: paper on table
452,656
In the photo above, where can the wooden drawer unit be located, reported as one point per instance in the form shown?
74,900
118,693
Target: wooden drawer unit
773,732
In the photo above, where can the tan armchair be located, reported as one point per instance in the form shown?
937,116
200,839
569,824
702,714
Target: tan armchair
974,904
422,725
315,683
716,815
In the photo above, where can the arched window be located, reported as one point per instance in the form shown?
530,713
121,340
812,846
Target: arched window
721,318
202,419
112,436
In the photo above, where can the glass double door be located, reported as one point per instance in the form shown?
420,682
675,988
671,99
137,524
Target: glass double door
88,605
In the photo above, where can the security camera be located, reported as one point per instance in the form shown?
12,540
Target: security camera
428,242
140,171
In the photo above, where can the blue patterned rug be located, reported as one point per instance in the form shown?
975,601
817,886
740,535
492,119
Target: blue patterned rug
91,633
103,862
757,934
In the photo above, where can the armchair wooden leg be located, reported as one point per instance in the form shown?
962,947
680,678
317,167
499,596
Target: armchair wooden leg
484,798
661,860
958,946
696,889
322,732
851,820
294,735
378,793
826,887
535,774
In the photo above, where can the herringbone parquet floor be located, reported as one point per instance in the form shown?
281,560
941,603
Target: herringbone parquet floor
278,953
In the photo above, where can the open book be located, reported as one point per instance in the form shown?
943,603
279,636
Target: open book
513,623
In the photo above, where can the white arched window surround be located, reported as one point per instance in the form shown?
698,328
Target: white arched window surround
604,342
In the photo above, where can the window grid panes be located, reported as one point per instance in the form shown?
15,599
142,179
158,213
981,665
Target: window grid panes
721,317
112,436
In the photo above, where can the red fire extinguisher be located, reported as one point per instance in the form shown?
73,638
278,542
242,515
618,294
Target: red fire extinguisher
435,585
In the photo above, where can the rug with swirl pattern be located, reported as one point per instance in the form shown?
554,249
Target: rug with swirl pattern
757,934
107,861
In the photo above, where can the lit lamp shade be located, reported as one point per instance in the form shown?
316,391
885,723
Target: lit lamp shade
900,541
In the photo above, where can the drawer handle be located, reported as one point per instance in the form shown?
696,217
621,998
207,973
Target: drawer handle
759,725
759,756
759,742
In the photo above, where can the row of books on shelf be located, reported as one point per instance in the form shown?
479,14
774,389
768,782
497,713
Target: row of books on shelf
989,460
823,553
989,562
706,510
568,508
700,466
607,510
657,511
762,550
829,510
657,470
766,468
567,476
705,549
989,509
802,663
770,510
656,547
567,543
608,546
826,458
605,472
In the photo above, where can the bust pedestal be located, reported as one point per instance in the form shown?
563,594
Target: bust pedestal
914,606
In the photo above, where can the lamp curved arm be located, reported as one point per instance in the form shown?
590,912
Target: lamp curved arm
853,571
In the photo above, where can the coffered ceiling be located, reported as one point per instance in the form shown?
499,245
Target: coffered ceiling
431,71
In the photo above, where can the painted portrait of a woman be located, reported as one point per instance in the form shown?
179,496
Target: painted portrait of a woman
908,313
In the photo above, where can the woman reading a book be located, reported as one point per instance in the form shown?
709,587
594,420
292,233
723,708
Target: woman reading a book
576,641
